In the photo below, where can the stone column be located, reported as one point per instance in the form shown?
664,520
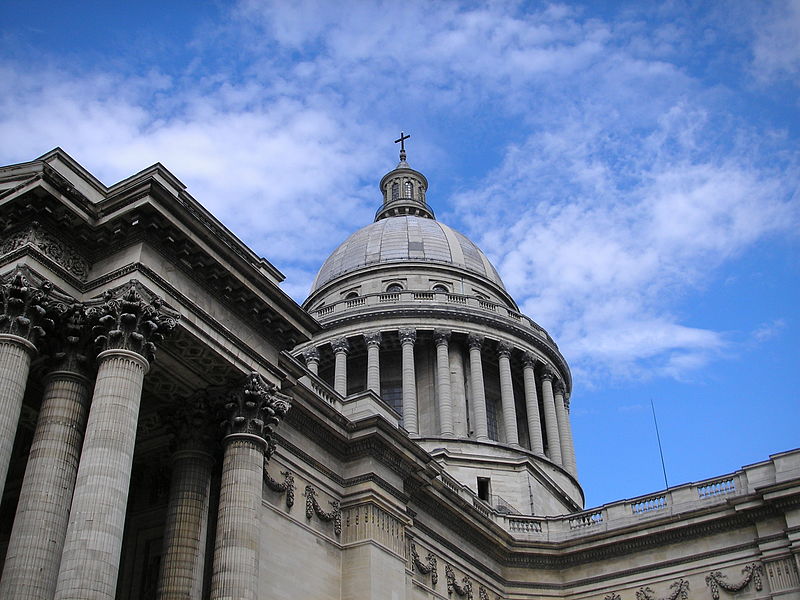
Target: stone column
507,393
565,429
183,558
532,404
550,422
373,341
22,314
441,338
341,348
40,525
311,356
407,339
475,343
252,412
128,329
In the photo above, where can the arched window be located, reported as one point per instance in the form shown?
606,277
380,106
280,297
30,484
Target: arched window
409,190
394,288
440,288
351,295
395,191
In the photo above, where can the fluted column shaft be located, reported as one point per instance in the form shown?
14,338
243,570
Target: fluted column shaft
407,339
565,430
532,407
180,577
40,525
238,537
15,362
373,341
441,339
90,561
507,395
550,422
312,360
477,385
340,350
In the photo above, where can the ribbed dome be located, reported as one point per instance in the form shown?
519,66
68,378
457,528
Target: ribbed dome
405,238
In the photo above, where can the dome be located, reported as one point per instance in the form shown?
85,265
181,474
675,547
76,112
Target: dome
406,238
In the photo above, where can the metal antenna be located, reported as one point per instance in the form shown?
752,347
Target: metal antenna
660,450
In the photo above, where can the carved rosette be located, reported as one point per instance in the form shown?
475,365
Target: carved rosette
126,321
475,340
504,349
340,345
373,338
24,307
441,336
407,336
255,408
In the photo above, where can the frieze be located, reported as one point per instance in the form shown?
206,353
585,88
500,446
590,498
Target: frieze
716,580
50,246
426,568
313,508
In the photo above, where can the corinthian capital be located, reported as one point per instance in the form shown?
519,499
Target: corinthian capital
23,312
504,349
548,374
311,354
407,336
441,336
255,407
373,338
69,346
529,359
340,345
126,321
475,340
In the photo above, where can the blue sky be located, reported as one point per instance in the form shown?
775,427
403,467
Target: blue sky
631,169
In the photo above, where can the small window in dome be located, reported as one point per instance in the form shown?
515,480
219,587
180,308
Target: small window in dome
394,288
409,190
395,191
420,194
351,295
440,288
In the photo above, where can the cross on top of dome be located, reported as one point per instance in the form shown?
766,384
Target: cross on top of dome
402,141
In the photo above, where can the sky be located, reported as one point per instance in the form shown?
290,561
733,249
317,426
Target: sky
630,168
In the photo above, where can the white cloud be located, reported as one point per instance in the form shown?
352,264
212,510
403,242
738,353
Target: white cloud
776,47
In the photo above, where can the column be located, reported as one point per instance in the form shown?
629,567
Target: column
252,413
127,330
407,339
341,348
507,393
22,313
183,558
475,343
311,356
565,429
40,524
373,341
441,338
550,422
532,404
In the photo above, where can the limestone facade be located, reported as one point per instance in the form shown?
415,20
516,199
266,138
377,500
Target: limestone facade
172,425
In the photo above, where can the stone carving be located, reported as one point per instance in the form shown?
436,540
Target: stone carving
504,349
464,590
24,307
340,345
548,374
311,355
373,338
613,596
441,336
282,487
566,402
407,336
475,340
716,580
256,407
126,321
68,348
679,589
313,507
529,359
425,568
50,246
189,422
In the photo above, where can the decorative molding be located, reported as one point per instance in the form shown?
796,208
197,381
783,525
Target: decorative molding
716,580
464,589
425,568
255,407
50,246
23,306
679,588
313,507
285,487
407,336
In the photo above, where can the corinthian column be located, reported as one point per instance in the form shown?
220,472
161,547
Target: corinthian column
373,341
407,339
507,393
182,563
341,348
127,328
311,356
532,405
441,337
37,537
23,313
475,342
252,412
565,429
550,422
